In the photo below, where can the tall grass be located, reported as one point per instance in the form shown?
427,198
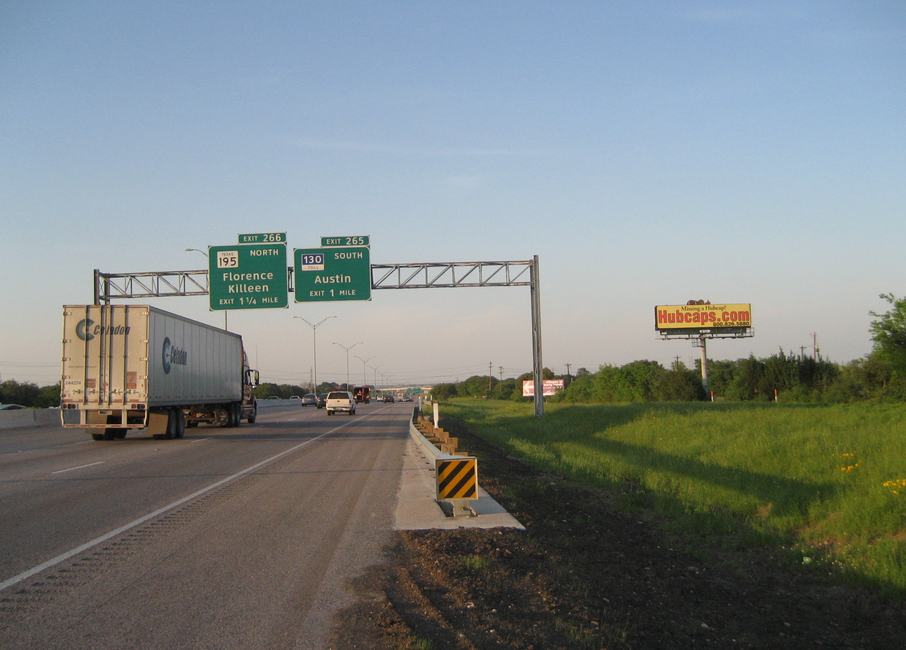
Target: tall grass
829,481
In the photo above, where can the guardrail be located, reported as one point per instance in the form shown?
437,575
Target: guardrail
456,473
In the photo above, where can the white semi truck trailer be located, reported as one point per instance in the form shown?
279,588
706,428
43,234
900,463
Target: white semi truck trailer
137,367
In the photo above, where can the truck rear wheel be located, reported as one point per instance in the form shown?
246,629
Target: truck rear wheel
235,414
180,417
176,424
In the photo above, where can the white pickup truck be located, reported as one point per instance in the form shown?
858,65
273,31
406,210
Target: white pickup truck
340,401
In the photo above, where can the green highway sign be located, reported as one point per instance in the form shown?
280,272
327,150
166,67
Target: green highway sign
345,241
327,274
247,276
263,238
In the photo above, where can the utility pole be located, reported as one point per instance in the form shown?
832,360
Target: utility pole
815,346
490,375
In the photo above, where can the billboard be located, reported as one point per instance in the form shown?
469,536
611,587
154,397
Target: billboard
702,318
548,387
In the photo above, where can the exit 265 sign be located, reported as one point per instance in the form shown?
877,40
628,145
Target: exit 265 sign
337,271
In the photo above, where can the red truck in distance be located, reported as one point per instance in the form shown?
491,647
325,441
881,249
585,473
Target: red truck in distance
362,394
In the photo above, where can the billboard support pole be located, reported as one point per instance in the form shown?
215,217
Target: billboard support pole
705,365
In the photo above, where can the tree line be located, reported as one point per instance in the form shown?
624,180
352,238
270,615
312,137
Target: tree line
879,376
781,376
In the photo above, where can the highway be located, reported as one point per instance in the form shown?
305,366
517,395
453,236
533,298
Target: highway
228,538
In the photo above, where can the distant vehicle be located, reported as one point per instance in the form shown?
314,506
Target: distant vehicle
11,407
362,394
272,397
294,397
322,400
339,401
310,400
388,398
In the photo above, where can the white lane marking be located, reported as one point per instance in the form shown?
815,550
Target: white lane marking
122,529
72,469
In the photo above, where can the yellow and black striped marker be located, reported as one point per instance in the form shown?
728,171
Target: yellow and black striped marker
457,478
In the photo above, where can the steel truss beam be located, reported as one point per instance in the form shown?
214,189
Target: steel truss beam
153,284
429,275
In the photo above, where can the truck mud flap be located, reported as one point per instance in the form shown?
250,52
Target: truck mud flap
158,423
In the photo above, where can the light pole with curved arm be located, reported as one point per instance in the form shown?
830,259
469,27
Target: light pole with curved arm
375,375
198,250
347,358
314,347
364,368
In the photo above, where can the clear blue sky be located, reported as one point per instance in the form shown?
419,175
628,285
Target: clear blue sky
648,152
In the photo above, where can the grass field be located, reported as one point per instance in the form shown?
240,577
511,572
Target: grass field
826,483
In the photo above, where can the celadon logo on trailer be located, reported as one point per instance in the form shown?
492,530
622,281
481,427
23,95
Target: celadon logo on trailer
172,355
87,330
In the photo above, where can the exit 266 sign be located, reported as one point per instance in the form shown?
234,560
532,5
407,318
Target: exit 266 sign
247,276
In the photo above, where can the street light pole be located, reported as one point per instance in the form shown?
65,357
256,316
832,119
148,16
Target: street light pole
364,369
314,347
198,250
347,358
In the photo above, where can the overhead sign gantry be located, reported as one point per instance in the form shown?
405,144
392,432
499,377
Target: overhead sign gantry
253,275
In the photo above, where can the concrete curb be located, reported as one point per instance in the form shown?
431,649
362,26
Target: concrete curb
417,508
418,492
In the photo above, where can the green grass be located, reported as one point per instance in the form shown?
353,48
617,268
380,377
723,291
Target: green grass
828,482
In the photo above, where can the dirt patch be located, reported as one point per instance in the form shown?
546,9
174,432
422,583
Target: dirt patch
586,577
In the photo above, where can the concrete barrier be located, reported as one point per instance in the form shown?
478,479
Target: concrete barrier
24,418
280,403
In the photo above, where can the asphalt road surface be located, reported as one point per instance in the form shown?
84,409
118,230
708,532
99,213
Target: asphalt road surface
228,538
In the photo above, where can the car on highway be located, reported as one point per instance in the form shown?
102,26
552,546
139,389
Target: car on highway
322,400
294,397
388,398
310,400
340,401
11,407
